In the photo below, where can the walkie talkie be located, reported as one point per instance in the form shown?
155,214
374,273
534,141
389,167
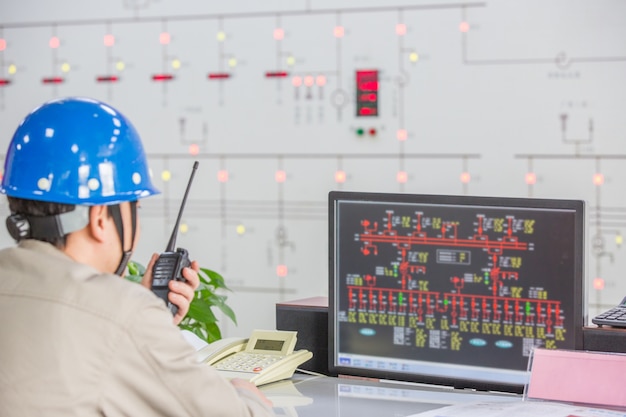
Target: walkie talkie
170,264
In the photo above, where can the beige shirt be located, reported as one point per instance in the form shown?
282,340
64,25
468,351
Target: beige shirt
76,342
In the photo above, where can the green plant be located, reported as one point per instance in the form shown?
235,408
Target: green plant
200,319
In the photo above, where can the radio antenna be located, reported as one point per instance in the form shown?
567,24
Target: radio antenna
172,243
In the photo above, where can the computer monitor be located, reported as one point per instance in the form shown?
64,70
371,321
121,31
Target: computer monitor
452,290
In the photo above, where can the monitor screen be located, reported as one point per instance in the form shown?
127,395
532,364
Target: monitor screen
453,290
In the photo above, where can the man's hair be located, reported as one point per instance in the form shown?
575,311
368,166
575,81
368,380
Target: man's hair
41,208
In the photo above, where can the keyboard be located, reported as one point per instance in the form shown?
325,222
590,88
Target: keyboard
615,316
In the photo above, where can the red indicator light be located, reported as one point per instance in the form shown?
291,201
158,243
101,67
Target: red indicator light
281,271
531,178
598,283
401,177
109,40
276,74
400,29
340,177
222,175
194,149
107,79
218,75
162,77
464,27
372,131
164,38
465,177
3,44
54,42
401,134
296,81
320,80
280,176
279,34
309,80
53,80
4,81
339,31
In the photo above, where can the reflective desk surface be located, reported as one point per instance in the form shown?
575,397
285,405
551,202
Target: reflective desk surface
313,396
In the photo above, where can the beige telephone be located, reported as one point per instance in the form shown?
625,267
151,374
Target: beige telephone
267,356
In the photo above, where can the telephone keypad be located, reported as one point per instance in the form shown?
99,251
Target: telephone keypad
247,362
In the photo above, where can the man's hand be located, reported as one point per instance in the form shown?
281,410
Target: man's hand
181,293
243,385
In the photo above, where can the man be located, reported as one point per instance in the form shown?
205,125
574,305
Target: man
77,339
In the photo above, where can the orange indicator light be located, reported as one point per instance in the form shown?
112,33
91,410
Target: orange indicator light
598,179
340,176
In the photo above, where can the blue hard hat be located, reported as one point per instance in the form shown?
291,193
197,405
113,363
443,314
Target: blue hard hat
76,151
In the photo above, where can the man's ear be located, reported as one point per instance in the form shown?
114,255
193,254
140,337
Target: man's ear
98,217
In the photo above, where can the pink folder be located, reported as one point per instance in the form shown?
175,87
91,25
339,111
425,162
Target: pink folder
585,377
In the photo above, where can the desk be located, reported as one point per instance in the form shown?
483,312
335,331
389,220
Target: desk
312,396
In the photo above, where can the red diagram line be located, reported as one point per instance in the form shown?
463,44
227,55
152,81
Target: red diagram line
483,242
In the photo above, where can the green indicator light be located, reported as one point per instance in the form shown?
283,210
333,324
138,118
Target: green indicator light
527,307
360,131
400,297
446,302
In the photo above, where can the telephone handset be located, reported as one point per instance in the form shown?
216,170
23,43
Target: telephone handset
170,264
267,356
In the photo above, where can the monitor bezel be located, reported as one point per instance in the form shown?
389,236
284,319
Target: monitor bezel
578,206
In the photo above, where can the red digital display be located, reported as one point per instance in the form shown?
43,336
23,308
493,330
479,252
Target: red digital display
162,77
367,93
53,80
276,74
218,76
107,79
4,81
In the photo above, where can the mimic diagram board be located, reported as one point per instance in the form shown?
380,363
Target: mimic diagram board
442,279
282,102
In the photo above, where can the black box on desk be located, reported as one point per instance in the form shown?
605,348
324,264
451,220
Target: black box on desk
604,339
309,317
